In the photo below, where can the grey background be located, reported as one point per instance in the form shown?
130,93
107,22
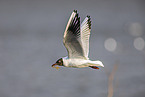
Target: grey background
31,33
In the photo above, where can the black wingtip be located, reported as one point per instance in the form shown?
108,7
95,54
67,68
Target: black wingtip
89,21
75,11
88,16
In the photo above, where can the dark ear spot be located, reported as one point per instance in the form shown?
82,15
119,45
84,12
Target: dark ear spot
57,61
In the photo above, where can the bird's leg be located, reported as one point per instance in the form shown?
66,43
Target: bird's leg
94,67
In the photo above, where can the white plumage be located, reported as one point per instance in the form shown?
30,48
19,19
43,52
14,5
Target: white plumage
76,41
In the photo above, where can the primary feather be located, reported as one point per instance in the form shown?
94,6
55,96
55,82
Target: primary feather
85,35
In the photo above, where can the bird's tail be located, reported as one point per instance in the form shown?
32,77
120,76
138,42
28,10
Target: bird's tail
97,63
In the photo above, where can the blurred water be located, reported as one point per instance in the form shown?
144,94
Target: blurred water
31,34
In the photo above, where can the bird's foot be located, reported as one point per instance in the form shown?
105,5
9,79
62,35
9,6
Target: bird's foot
56,67
94,67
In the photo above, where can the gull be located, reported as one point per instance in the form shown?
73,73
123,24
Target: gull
76,41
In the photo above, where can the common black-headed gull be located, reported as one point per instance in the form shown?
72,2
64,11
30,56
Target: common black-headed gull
76,41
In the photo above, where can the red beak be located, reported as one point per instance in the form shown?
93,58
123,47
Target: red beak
53,65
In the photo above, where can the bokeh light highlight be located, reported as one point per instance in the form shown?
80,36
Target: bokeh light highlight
110,44
139,43
136,29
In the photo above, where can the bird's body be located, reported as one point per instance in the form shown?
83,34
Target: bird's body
76,41
79,63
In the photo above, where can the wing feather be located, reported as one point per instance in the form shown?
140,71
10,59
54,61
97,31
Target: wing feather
85,35
76,37
72,37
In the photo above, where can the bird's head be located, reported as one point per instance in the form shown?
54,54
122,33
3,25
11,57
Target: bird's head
59,62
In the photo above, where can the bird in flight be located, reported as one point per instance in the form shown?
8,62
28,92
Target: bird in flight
76,41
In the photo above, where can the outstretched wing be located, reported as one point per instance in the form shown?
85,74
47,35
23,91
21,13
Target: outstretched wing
72,37
85,34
